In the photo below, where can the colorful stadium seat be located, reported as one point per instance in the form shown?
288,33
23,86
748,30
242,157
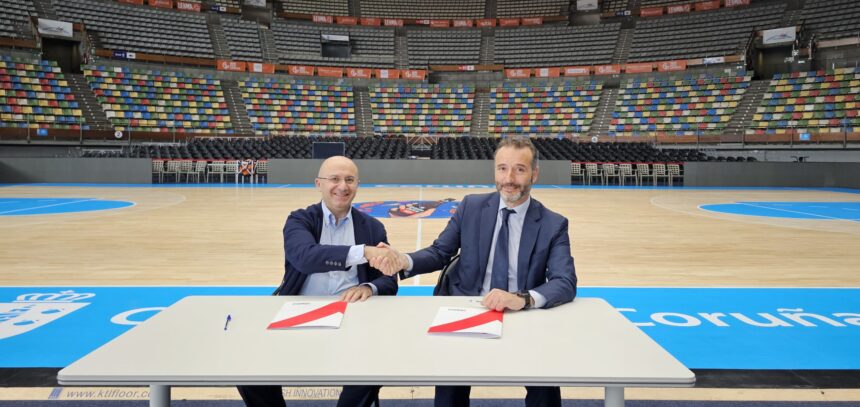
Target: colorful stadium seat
35,94
422,109
555,109
276,107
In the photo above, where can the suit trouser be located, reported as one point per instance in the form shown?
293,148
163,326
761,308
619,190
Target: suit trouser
458,396
272,396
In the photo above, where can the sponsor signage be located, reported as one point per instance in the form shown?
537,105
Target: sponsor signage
344,20
188,6
56,28
468,68
532,20
577,70
124,55
331,72
586,5
613,69
651,11
516,73
259,67
372,21
639,67
679,8
486,22
713,60
392,22
255,3
322,19
463,23
161,3
233,66
306,70
509,22
387,73
736,3
358,73
671,66
779,35
547,72
440,23
416,74
708,5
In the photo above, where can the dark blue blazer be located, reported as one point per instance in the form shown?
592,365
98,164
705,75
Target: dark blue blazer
303,255
544,263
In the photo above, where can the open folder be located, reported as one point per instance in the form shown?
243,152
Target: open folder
309,314
468,321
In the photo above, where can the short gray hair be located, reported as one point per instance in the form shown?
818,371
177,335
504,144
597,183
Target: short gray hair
519,142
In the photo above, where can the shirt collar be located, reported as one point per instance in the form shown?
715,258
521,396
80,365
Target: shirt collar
330,218
519,209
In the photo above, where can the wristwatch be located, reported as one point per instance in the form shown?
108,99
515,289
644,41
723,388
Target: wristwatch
527,296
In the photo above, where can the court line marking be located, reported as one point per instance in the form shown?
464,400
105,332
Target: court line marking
48,206
791,211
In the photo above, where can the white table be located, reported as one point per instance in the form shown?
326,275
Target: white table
381,341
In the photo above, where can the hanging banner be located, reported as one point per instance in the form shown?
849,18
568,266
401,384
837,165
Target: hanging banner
56,28
416,74
547,72
306,70
671,66
509,22
255,3
736,3
358,73
463,23
586,5
486,22
387,73
518,73
651,11
322,19
577,70
467,68
532,20
392,22
708,5
613,69
679,8
259,67
232,66
639,68
343,20
371,21
330,72
188,6
161,3
440,23
779,35
713,60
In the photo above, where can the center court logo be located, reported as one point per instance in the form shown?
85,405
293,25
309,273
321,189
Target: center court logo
442,208
33,310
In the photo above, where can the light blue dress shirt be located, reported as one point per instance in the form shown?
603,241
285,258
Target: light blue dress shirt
338,232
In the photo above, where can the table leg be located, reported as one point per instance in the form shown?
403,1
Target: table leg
614,397
159,396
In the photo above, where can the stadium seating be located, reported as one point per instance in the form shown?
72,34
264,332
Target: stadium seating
543,109
276,107
704,34
443,47
422,8
14,16
155,101
688,106
300,44
243,39
327,8
141,29
516,8
831,18
810,102
35,94
556,45
422,109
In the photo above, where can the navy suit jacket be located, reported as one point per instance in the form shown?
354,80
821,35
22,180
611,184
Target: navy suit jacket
304,255
544,263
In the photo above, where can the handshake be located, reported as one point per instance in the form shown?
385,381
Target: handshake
385,259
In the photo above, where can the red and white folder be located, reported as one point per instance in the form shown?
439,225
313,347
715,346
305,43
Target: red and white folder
309,314
468,321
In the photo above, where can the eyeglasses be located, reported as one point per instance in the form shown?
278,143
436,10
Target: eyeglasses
337,180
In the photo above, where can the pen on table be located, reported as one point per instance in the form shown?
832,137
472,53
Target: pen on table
227,322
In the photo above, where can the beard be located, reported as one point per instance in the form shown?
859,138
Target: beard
515,196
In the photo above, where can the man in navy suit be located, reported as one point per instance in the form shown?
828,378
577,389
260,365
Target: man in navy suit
326,247
513,251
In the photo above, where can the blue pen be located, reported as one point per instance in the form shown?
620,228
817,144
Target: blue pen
227,322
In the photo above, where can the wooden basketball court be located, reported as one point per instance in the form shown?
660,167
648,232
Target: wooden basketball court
231,236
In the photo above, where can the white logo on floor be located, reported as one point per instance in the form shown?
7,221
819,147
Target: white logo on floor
30,311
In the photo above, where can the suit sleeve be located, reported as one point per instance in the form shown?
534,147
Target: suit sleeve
437,255
302,250
560,286
385,285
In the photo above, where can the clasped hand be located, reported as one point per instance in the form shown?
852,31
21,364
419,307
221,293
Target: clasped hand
385,259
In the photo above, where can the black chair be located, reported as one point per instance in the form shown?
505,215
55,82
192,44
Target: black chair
442,284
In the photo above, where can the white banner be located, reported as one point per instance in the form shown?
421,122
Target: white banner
779,35
713,60
586,5
55,28
255,3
